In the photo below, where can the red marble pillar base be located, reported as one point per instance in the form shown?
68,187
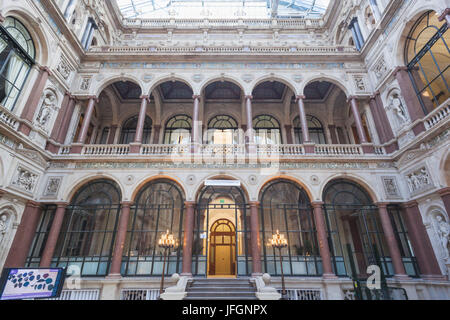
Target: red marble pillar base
310,148
24,236
255,239
135,148
188,240
116,261
76,148
368,148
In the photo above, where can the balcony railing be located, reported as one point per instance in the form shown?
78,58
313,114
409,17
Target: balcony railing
338,150
9,119
437,116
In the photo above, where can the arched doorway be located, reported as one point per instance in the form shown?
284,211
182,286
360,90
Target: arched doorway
222,247
221,233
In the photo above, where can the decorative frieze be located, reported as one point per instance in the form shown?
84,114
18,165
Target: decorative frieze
380,68
85,83
24,179
64,68
419,181
52,186
391,187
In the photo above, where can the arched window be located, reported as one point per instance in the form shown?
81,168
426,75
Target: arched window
88,229
178,130
17,54
222,130
285,207
267,130
427,56
128,131
316,131
159,207
355,231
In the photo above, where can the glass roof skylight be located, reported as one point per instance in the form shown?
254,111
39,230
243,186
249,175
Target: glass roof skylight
222,9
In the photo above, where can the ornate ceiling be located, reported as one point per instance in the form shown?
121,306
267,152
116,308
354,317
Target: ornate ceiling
222,9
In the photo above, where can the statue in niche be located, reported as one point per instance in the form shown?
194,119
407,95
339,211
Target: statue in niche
47,105
396,105
4,225
443,231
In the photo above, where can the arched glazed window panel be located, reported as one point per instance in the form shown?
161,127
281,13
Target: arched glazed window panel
222,129
158,208
316,131
178,130
89,228
285,207
427,56
17,54
267,130
128,132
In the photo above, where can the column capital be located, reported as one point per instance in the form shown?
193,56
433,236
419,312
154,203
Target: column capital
61,204
45,69
93,98
382,204
410,204
190,203
445,13
254,203
196,97
351,98
145,97
316,204
126,203
374,95
300,97
248,97
444,191
33,204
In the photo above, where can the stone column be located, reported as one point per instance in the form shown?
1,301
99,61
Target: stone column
391,241
85,125
33,101
25,233
53,236
367,148
445,195
323,240
156,133
423,250
135,147
415,109
288,129
379,125
112,134
189,220
255,239
196,128
250,133
308,145
116,262
62,123
445,16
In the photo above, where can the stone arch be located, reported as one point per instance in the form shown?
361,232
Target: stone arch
74,187
141,184
199,186
117,78
171,78
221,78
445,167
400,41
32,24
353,178
291,178
329,78
278,78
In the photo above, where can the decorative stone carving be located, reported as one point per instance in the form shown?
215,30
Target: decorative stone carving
443,231
396,107
85,83
24,179
360,83
380,68
190,180
129,180
4,225
253,180
147,77
419,180
198,77
247,77
315,180
47,108
64,68
391,187
32,155
52,187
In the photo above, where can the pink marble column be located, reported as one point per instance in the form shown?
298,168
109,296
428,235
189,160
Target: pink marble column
121,234
379,125
196,127
189,220
385,124
85,125
323,240
445,16
391,241
410,96
25,233
367,148
62,123
445,195
53,236
303,120
255,239
135,147
33,101
423,250
156,133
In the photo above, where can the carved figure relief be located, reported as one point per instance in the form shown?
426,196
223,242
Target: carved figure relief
4,225
25,179
443,231
47,108
397,109
418,180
